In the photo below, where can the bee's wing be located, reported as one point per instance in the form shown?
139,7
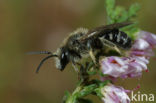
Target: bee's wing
104,29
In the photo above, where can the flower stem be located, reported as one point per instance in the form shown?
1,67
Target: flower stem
73,98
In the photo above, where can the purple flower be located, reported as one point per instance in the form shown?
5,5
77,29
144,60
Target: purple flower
137,60
114,94
144,45
149,37
124,66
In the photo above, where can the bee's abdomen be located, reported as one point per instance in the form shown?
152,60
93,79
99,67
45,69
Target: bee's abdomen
119,38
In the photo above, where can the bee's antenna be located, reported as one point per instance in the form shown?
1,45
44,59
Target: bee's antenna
39,52
43,60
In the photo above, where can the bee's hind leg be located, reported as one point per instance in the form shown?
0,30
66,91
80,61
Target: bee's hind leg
117,49
110,45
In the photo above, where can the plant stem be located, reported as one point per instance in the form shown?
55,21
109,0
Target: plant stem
73,97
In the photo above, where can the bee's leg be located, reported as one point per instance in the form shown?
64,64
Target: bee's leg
91,52
80,70
110,45
92,56
117,49
74,66
83,75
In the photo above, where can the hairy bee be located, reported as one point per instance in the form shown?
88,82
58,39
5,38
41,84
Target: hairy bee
83,43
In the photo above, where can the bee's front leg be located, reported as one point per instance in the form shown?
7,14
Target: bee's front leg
75,67
79,70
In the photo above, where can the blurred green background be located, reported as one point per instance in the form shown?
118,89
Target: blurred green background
35,25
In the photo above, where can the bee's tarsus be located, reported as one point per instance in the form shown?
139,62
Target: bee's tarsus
117,49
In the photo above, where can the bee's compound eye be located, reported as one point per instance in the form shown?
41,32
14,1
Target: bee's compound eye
62,56
64,60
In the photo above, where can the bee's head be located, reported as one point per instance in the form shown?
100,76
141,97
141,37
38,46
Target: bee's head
63,58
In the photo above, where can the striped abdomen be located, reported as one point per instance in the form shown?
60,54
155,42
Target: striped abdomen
118,38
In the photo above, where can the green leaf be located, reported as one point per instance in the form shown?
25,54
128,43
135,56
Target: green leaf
133,10
110,4
117,13
67,94
87,90
123,16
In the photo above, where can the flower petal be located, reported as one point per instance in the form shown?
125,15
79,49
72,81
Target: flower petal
140,44
149,37
124,67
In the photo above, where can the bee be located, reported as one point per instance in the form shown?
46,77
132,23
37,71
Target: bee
84,43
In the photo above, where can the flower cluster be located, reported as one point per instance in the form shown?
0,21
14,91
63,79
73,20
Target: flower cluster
128,67
124,66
